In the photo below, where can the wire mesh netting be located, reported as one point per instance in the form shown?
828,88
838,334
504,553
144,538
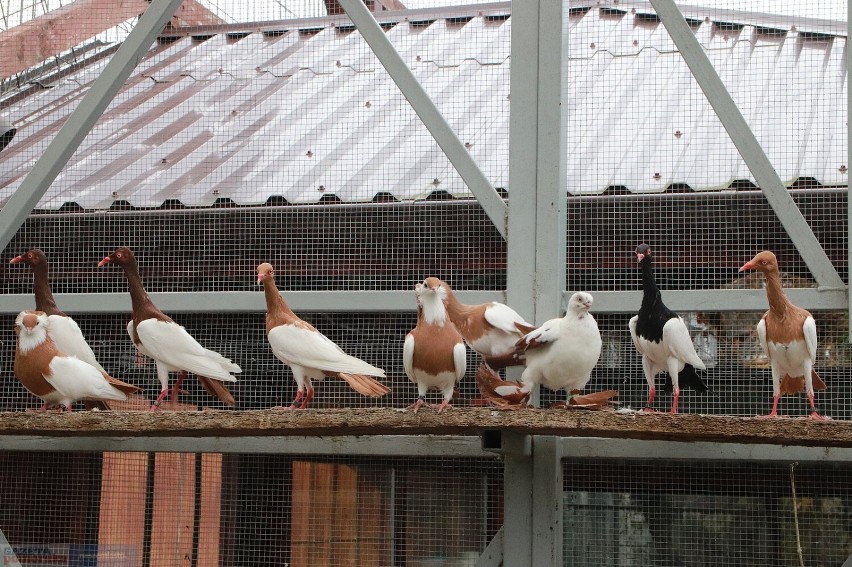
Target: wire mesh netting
250,134
685,513
139,509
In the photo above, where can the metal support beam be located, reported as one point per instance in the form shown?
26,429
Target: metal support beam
517,499
429,114
599,447
493,554
848,162
537,160
83,118
241,301
749,148
547,502
368,445
711,300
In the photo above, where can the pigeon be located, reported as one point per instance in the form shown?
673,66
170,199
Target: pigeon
64,331
661,337
789,338
55,377
434,355
561,353
491,329
310,354
173,349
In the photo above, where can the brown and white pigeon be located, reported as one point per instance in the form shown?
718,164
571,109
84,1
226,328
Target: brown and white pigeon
491,329
788,336
433,355
55,377
173,349
663,340
64,331
310,354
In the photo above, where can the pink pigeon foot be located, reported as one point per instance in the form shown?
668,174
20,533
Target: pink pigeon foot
294,405
774,412
652,393
675,400
417,405
814,414
444,405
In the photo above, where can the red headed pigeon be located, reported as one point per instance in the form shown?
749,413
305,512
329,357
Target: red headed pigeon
788,336
55,377
173,349
434,355
661,337
63,329
310,354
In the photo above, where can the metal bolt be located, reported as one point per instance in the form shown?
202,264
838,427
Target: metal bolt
678,133
436,181
635,42
592,45
215,191
657,176
321,188
164,160
368,104
468,145
309,153
842,169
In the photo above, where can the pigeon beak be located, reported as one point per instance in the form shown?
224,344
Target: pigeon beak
260,278
746,266
639,257
16,259
104,262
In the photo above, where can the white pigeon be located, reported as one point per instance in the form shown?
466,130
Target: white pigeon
433,355
68,379
310,354
562,353
173,349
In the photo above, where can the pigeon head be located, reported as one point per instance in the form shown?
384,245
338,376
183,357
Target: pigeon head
265,271
764,261
433,286
34,257
580,301
122,256
643,251
31,328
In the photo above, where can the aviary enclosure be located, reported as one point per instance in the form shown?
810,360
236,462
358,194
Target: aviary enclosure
518,151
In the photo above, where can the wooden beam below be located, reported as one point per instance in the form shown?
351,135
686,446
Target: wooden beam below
459,421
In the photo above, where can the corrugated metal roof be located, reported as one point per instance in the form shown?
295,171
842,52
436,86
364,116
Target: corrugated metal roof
309,112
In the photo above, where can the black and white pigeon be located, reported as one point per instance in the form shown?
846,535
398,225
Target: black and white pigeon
663,340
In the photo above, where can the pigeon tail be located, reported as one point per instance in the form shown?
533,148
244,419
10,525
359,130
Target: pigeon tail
218,390
500,361
364,385
688,378
124,387
500,393
796,384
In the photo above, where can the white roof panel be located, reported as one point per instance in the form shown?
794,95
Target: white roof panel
306,111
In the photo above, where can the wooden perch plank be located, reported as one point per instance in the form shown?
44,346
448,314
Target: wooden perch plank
458,421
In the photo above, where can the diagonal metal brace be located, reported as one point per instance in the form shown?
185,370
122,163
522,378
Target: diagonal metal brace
418,98
83,118
735,124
